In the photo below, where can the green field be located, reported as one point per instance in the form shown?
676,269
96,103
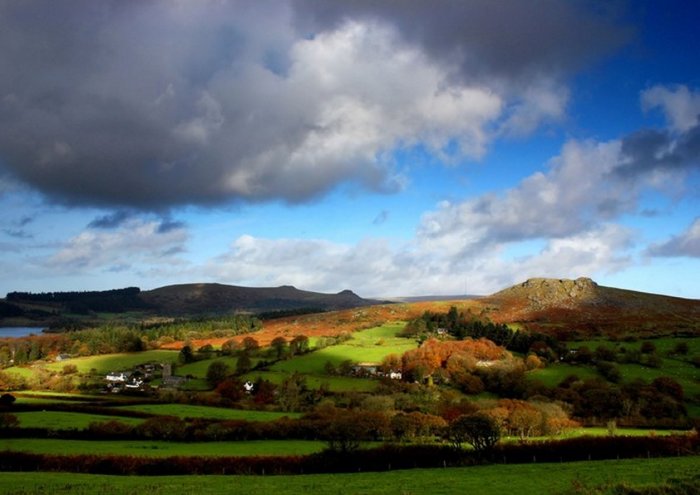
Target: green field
191,411
116,362
155,448
552,375
675,366
370,345
524,479
334,383
61,420
663,345
199,369
42,397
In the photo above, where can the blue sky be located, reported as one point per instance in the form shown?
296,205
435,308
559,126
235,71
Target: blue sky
392,148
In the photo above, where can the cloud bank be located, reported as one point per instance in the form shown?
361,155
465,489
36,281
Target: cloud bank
159,104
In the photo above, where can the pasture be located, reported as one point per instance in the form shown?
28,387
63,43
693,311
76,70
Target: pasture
371,345
333,383
664,345
105,363
524,479
158,448
192,411
63,420
198,369
553,374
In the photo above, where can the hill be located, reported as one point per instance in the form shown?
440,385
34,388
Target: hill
219,298
56,308
583,307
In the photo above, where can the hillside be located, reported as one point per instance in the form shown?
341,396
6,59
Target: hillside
219,298
584,307
44,309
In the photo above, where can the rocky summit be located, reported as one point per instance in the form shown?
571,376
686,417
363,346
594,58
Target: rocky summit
547,292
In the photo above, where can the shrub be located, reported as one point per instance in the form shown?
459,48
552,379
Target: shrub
109,429
163,428
8,420
217,372
647,347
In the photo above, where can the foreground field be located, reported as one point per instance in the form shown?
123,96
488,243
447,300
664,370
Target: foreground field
153,448
530,479
192,411
63,420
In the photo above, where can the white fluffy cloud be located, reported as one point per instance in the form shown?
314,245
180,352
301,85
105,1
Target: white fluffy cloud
134,242
572,196
376,268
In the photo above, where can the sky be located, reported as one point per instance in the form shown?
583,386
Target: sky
393,148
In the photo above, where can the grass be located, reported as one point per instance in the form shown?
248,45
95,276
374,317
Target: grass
371,345
685,374
198,369
663,345
43,397
116,362
60,420
552,375
597,431
675,366
524,479
155,448
191,411
334,383
25,373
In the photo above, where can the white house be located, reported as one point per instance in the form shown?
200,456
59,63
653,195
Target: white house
117,377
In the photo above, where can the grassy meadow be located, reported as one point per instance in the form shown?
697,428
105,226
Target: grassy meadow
371,345
677,366
63,420
552,375
116,362
525,479
194,411
159,448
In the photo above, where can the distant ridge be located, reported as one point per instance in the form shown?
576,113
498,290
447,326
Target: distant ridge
43,309
220,298
410,299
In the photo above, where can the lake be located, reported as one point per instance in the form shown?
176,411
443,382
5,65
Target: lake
19,331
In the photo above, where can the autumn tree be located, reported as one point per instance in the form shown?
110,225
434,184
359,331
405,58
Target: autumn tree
250,344
291,391
279,346
299,345
229,347
230,389
478,430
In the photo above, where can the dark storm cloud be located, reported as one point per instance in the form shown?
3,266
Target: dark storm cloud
150,105
508,38
660,150
110,221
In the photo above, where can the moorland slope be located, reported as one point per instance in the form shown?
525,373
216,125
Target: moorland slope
584,307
